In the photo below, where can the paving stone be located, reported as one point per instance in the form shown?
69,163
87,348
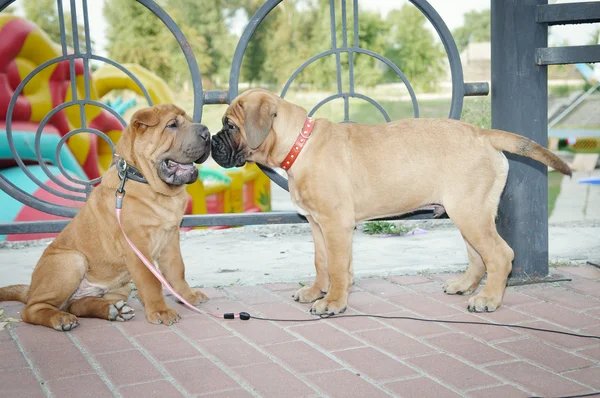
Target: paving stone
302,358
467,348
10,356
233,351
539,381
587,272
102,339
65,361
200,376
252,295
409,280
161,388
167,346
543,354
326,336
343,383
483,332
35,337
203,328
395,343
20,383
128,367
498,392
367,303
588,376
420,387
381,287
566,298
565,341
79,387
452,371
374,364
425,306
561,316
271,380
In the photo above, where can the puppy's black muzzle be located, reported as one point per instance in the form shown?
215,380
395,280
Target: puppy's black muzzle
225,151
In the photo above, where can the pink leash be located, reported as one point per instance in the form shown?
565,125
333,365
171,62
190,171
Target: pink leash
157,273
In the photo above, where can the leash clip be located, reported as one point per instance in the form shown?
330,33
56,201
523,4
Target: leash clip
120,192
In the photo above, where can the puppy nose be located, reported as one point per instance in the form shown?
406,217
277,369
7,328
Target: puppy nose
203,132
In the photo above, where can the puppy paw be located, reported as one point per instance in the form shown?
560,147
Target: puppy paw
484,303
165,316
120,312
63,321
198,297
308,294
460,286
329,307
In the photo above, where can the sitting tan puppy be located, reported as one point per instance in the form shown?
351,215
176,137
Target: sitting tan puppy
86,270
342,174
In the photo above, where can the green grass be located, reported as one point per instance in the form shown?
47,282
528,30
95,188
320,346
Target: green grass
554,183
385,228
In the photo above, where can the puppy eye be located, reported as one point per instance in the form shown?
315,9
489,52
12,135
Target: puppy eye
230,126
172,124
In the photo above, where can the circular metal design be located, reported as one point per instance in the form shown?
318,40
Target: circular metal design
71,187
458,90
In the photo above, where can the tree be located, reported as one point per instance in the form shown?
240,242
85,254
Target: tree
208,18
412,47
475,29
45,15
136,36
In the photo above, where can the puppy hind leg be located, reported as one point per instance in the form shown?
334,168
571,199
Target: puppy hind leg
113,306
469,282
308,294
480,231
56,277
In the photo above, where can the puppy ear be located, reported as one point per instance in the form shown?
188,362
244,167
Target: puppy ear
258,120
144,118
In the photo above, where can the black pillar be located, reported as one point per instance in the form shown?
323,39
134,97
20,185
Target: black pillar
520,105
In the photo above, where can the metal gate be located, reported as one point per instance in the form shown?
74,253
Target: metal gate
80,189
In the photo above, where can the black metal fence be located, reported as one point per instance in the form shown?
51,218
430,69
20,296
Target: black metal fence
202,98
525,185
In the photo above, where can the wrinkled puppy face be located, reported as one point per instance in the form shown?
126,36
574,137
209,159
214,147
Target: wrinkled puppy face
246,125
167,138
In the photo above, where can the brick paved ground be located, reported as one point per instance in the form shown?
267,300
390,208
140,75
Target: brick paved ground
357,357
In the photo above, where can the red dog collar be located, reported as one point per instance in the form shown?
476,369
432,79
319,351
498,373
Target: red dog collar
304,135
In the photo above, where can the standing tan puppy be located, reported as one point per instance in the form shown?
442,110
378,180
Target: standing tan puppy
86,270
346,173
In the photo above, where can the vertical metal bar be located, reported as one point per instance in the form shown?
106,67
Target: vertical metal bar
355,44
344,27
74,27
520,105
73,79
88,50
86,27
346,108
338,62
61,24
355,13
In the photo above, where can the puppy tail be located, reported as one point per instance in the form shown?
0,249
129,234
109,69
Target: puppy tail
14,293
517,144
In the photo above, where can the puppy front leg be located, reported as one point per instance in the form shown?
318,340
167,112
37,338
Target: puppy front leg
172,267
337,235
150,291
308,294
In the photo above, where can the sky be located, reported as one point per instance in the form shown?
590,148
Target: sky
451,12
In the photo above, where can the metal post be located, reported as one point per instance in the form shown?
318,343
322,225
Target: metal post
520,105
